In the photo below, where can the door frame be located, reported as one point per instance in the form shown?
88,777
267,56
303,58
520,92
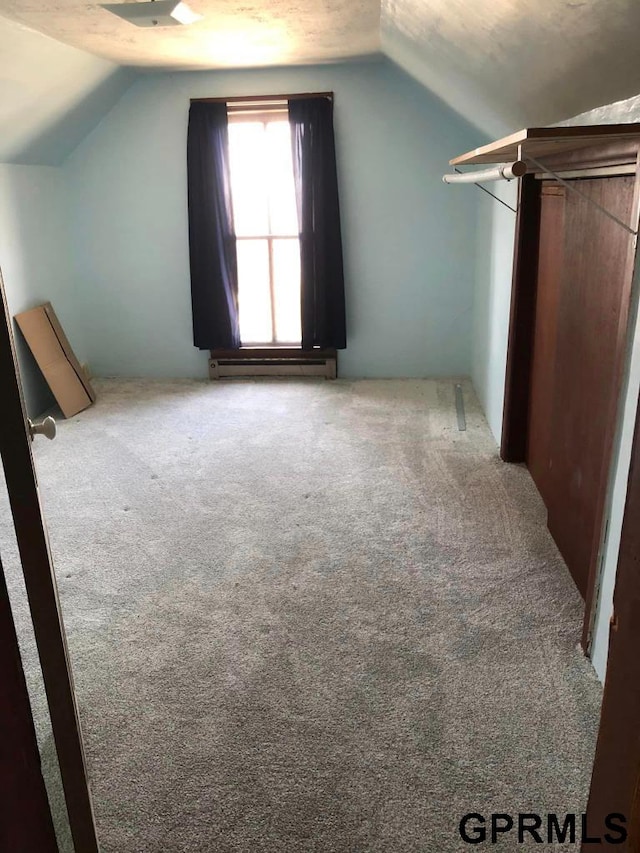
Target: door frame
615,781
514,441
25,815
42,592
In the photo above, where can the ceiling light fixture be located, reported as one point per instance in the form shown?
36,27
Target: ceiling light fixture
154,13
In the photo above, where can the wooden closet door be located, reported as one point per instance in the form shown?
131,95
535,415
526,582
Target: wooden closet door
590,332
16,432
550,263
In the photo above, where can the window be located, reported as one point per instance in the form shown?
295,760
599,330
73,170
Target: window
266,226
252,167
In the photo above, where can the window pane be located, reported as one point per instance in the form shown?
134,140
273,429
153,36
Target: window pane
249,178
282,196
254,295
286,281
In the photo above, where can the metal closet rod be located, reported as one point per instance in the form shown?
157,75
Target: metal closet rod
509,171
473,180
501,172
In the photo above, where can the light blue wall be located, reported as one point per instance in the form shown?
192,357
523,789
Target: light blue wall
492,300
35,261
409,240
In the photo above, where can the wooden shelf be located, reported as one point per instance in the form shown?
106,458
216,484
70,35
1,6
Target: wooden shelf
543,142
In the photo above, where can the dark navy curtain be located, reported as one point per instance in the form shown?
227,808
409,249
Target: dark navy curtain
322,277
212,240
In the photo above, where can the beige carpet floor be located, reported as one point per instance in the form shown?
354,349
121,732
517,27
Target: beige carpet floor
308,616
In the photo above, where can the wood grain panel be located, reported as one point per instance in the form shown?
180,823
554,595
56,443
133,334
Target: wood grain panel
547,142
594,291
550,267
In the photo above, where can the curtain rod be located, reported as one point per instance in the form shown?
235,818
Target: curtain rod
250,99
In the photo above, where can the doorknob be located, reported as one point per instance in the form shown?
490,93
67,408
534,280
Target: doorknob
46,427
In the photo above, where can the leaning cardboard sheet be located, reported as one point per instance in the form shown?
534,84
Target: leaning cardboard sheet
52,351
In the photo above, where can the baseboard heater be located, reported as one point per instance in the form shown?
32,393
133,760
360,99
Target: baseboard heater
276,361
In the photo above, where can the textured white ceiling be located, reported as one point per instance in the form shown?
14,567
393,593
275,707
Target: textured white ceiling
503,64
230,34
507,64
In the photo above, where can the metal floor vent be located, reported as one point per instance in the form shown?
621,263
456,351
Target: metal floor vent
462,420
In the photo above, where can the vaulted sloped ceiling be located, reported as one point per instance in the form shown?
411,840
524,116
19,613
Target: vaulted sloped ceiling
51,95
508,64
503,64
